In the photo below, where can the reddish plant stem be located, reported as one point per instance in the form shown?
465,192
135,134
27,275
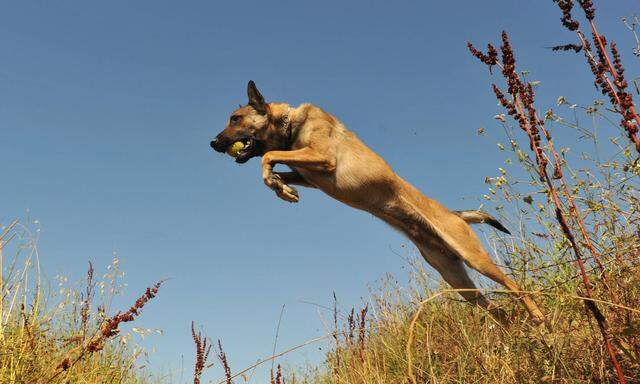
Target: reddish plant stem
108,330
203,347
574,212
600,319
632,109
522,102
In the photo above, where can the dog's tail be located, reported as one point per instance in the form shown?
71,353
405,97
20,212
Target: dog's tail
480,217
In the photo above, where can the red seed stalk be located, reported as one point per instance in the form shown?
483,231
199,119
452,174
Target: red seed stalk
202,353
608,73
521,108
108,330
225,363
361,331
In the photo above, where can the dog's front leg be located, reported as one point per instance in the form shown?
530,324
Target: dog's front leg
301,158
284,191
294,178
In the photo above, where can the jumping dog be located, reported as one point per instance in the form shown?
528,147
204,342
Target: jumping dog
322,153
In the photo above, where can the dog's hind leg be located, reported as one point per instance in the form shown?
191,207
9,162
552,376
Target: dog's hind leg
471,252
482,263
438,254
453,272
458,239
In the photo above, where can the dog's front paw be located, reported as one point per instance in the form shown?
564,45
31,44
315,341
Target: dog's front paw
288,193
284,191
273,181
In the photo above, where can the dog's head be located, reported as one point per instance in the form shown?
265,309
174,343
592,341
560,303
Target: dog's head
254,126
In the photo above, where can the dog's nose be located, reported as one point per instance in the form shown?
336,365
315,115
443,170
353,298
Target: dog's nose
215,144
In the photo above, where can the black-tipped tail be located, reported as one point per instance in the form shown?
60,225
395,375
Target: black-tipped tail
479,217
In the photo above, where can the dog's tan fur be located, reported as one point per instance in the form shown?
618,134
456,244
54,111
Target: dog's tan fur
322,153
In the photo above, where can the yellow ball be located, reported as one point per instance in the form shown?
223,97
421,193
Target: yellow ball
235,148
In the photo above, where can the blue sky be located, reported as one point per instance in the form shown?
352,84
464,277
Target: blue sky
107,110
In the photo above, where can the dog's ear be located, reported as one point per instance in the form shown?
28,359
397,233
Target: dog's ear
255,98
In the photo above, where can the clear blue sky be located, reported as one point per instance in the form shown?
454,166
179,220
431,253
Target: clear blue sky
107,110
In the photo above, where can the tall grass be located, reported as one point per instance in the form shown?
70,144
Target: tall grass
61,332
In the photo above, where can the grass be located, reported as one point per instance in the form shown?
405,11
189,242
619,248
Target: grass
59,333
420,334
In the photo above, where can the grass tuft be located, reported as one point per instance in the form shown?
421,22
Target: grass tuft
57,333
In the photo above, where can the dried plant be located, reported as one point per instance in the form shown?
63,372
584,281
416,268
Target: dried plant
336,334
202,353
109,329
277,378
86,302
362,331
50,333
225,363
520,106
608,72
631,26
351,326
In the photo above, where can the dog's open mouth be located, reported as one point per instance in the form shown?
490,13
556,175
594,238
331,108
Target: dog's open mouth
248,151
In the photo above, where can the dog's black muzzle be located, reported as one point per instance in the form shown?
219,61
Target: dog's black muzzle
218,145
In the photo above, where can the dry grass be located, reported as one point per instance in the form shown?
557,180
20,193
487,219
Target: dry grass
422,335
57,333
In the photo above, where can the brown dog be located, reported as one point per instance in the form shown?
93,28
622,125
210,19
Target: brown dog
323,154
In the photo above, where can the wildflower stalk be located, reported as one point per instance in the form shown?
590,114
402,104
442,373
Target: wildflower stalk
521,108
614,87
203,347
225,363
108,330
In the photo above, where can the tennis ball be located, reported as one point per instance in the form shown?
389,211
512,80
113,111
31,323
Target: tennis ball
235,148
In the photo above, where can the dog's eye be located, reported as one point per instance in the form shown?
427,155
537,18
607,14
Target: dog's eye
235,119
